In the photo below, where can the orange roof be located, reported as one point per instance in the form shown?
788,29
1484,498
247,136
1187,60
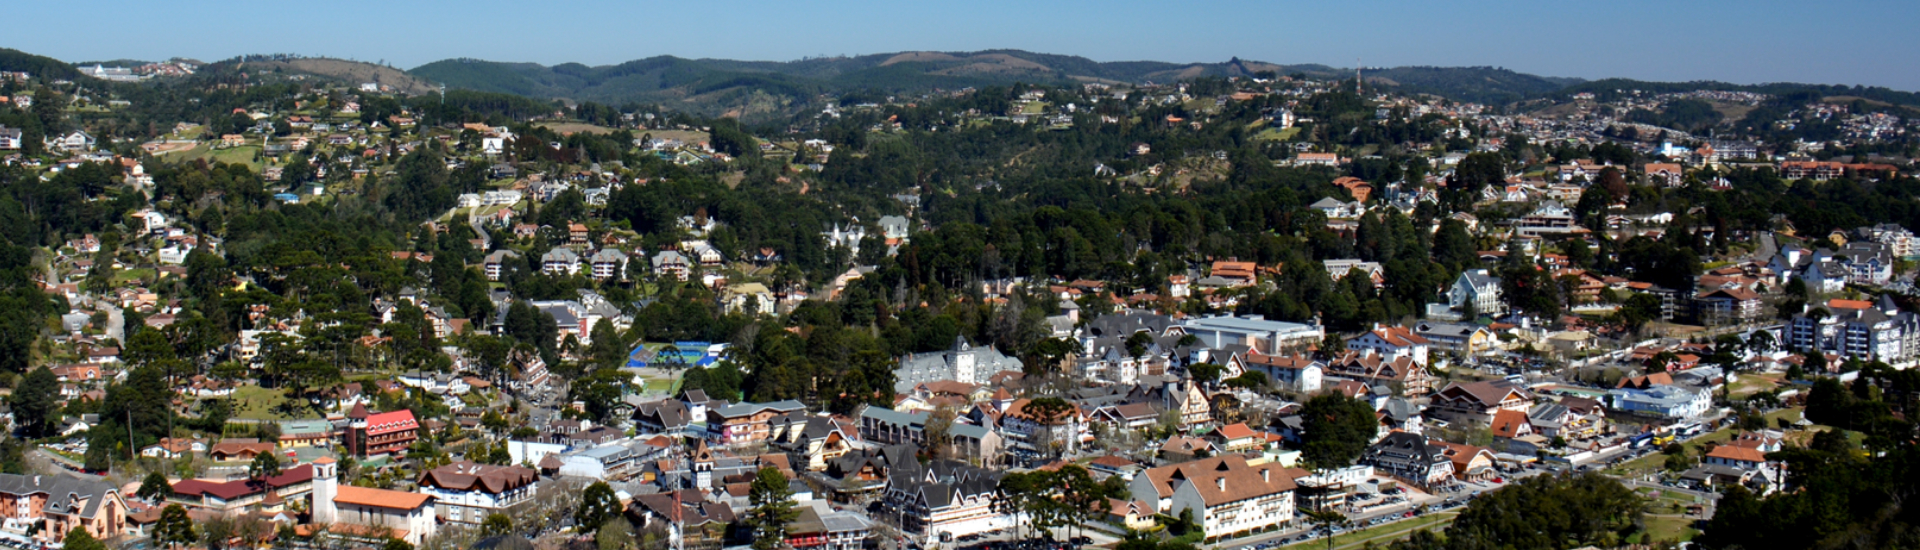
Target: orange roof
1508,422
1737,453
1849,304
380,498
1236,431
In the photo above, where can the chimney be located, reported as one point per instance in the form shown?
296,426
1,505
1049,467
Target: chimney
1266,475
1220,481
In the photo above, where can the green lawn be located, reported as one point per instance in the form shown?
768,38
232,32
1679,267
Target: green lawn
1661,528
1385,533
126,275
257,403
1276,134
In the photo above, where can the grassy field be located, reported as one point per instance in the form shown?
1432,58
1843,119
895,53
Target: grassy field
1384,533
257,403
1662,528
1749,384
1276,134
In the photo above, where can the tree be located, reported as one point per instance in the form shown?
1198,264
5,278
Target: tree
1206,373
80,539
597,505
35,402
397,544
1338,429
496,524
174,527
265,465
772,509
617,534
155,487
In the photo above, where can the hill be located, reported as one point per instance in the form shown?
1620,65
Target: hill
722,85
351,72
36,65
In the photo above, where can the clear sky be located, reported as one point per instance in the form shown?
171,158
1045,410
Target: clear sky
1830,42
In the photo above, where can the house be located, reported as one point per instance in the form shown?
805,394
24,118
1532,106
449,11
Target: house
1462,339
1373,271
1665,173
9,139
174,447
1479,401
894,228
368,513
1411,458
375,435
495,264
1475,293
819,526
666,416
1470,463
1734,456
1299,373
1227,495
467,492
962,363
1391,343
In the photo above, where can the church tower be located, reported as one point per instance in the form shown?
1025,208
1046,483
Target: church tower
326,484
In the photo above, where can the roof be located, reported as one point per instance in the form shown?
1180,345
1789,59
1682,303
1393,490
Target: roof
467,475
1223,479
380,498
391,421
66,494
1737,453
230,490
1508,423
1236,431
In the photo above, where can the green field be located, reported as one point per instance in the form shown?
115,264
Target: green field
1662,528
1276,134
257,403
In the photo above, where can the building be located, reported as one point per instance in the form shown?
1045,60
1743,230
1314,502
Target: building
608,263
306,433
748,423
1391,343
669,263
1663,400
467,492
1854,328
1035,430
890,427
945,499
1254,331
50,506
1476,293
375,435
1299,373
1460,338
962,363
364,513
820,527
227,496
1411,458
1227,494
1478,401
560,262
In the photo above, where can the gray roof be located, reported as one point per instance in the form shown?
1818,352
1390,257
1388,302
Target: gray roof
64,492
744,409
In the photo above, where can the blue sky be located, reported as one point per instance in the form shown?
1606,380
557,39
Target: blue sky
1834,42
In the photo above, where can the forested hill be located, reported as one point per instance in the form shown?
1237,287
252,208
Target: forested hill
12,60
751,87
